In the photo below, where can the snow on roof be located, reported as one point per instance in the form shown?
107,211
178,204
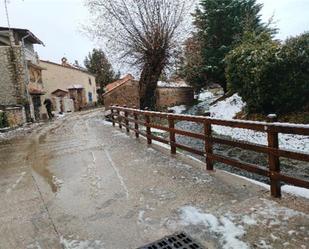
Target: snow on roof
172,84
76,86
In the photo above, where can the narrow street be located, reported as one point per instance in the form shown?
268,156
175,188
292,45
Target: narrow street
78,182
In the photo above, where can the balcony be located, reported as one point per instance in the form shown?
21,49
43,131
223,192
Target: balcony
31,56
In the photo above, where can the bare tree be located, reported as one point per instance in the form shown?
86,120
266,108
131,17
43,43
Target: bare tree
147,32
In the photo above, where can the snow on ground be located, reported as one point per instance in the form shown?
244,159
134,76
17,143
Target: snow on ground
205,95
229,233
35,245
177,109
23,130
59,115
274,212
228,108
230,228
155,130
293,190
57,182
303,192
103,121
9,190
80,244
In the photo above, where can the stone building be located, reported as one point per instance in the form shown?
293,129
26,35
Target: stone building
126,92
70,88
122,92
21,85
173,93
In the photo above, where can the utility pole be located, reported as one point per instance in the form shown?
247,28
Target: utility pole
7,13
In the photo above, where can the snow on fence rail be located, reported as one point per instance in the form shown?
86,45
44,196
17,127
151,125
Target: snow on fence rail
123,116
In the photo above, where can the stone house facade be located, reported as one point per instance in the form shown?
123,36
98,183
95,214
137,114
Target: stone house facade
126,92
21,86
68,86
122,92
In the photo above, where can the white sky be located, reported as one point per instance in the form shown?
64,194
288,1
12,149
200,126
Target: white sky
58,23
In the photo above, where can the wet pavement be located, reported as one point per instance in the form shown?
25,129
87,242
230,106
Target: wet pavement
78,183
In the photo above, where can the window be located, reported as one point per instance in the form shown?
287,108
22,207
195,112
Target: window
90,96
90,83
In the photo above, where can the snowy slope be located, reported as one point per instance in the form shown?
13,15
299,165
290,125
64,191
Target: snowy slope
228,108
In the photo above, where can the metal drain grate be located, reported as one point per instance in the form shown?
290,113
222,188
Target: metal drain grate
175,241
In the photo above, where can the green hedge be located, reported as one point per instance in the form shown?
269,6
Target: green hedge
269,76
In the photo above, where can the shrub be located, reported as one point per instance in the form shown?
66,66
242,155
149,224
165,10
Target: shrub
270,77
3,120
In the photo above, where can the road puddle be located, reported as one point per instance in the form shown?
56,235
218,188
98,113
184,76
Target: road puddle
39,162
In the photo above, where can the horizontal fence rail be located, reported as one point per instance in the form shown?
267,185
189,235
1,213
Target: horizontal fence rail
123,116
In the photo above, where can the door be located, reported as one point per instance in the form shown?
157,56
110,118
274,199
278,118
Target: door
36,100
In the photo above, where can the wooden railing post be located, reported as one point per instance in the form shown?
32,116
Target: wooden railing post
148,129
119,118
208,145
171,125
135,123
126,115
273,160
112,116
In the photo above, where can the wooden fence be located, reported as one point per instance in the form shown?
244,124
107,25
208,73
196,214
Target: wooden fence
123,116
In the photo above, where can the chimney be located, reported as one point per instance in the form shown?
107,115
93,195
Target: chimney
64,61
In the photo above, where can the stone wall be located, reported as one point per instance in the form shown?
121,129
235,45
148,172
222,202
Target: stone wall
126,94
7,72
12,80
15,115
20,75
171,96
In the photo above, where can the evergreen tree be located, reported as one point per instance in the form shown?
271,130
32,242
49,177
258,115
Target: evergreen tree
271,77
191,63
98,64
221,25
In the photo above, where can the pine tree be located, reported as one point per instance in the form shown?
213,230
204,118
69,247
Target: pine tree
221,25
98,64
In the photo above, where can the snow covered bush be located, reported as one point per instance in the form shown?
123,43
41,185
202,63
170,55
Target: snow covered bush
269,76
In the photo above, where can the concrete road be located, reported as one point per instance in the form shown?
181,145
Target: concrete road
78,183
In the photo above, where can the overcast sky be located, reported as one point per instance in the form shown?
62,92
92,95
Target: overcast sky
58,23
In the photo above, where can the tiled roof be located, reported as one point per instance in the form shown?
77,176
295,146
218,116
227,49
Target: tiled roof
117,83
69,67
36,91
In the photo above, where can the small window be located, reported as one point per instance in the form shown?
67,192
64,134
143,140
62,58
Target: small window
90,96
90,83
